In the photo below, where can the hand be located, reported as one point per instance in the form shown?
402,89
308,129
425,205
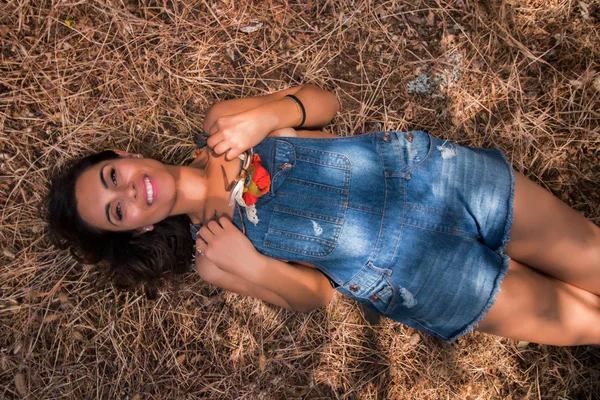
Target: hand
234,134
226,246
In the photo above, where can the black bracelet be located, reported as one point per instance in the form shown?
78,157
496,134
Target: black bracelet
297,100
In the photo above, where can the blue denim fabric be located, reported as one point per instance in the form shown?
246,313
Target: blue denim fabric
200,139
405,223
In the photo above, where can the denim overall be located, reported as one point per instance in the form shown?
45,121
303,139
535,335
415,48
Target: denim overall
405,223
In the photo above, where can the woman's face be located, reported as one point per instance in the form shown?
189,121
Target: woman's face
125,193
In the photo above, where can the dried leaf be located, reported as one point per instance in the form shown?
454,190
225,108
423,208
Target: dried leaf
585,12
396,371
8,254
77,336
597,83
447,40
50,318
88,267
251,28
20,384
414,339
180,359
56,117
577,84
431,18
63,297
230,53
522,344
196,359
262,363
409,113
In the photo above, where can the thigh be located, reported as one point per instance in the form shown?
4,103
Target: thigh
537,308
553,238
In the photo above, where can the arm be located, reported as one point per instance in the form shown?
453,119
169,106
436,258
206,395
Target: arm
212,274
236,125
250,273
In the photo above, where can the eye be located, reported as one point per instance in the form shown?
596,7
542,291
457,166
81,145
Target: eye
119,212
113,176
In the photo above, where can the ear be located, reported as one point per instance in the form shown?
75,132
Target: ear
127,155
142,230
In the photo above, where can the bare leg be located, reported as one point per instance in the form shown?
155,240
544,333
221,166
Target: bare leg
553,238
537,308
549,294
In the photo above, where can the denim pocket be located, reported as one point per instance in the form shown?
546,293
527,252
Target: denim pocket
416,148
311,188
302,232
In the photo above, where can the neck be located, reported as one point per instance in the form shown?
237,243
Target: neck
191,188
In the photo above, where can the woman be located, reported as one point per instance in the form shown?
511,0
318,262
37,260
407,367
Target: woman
441,237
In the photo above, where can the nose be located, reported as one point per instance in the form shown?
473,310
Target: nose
131,191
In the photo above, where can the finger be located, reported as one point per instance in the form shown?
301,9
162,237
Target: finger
215,127
206,234
214,227
200,247
232,153
214,139
226,223
222,147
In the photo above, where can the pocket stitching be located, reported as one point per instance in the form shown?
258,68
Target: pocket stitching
320,186
307,214
327,250
292,160
292,235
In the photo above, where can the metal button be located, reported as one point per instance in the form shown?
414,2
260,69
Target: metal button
408,176
374,298
386,137
354,288
409,137
284,166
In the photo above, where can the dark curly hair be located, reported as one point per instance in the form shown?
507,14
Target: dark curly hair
133,260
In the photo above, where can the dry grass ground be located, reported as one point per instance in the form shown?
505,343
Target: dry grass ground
78,76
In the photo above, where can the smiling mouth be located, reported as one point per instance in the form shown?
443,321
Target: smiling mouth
149,191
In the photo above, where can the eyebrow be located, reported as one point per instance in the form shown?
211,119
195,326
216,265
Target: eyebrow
102,177
108,214
107,208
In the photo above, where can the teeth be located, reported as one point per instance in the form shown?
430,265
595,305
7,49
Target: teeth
149,190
